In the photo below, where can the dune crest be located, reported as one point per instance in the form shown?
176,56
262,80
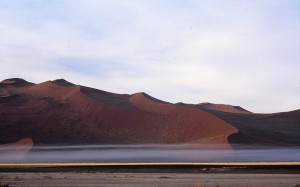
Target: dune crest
52,89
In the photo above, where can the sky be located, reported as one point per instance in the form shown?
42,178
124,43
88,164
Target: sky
237,52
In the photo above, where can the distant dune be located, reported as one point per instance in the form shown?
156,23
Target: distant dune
60,112
224,108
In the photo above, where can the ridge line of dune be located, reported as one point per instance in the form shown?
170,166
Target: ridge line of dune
49,88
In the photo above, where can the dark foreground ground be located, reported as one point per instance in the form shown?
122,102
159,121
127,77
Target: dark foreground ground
196,176
148,179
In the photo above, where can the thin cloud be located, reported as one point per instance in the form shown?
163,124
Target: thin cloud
237,52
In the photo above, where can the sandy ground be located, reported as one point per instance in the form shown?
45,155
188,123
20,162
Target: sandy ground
51,179
130,174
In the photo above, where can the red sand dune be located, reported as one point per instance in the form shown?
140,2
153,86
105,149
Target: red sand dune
59,112
201,126
224,108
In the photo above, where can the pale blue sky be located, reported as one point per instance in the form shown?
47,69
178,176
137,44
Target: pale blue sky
234,52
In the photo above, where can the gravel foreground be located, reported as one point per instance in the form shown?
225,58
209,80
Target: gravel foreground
152,176
68,179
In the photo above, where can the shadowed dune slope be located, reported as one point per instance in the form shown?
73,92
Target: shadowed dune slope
292,116
279,129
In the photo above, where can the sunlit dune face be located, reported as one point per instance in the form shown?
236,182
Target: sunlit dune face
16,151
200,127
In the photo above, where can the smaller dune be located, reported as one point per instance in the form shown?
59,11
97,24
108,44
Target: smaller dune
224,108
15,151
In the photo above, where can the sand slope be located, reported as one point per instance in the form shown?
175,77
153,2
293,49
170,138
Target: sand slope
199,126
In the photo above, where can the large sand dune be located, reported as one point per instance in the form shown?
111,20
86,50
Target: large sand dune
59,112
